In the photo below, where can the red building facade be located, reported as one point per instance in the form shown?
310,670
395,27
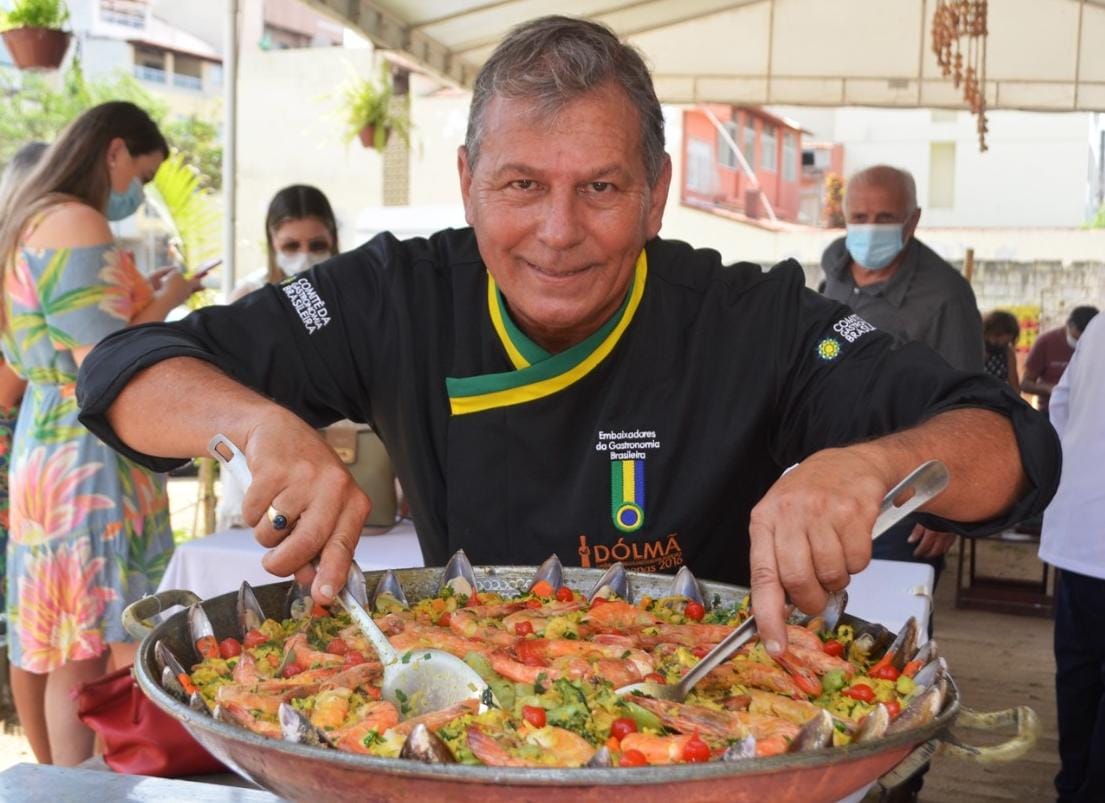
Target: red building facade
713,174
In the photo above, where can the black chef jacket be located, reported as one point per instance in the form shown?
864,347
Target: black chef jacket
648,443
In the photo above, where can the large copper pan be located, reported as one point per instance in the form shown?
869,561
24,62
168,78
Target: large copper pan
302,773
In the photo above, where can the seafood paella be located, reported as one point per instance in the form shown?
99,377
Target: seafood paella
553,659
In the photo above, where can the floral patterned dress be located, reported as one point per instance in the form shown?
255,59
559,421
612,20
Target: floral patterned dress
89,529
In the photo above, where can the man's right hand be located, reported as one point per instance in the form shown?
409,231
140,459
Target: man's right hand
298,474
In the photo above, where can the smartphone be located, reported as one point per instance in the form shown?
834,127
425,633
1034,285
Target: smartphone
207,267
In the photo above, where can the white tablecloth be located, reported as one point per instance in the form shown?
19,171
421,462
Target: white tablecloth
888,591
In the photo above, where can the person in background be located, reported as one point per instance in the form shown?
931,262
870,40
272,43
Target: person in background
1050,354
1000,331
12,385
903,287
89,528
300,231
1073,540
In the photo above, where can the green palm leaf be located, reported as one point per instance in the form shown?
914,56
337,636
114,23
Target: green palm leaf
76,299
49,278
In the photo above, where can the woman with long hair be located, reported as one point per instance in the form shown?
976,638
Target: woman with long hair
89,529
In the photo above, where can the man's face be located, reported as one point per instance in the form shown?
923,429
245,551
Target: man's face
869,202
561,208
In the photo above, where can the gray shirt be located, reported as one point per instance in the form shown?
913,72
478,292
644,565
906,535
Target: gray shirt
925,300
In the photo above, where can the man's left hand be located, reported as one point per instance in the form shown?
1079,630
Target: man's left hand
930,543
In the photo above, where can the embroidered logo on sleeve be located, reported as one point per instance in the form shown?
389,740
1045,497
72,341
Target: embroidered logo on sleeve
828,349
852,328
311,309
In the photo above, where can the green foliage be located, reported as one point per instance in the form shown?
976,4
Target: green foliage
191,213
35,14
372,103
33,109
1098,220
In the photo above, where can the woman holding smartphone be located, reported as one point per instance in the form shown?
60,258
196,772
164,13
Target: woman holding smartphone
89,529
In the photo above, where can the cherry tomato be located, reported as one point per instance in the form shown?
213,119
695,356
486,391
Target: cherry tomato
861,691
893,707
534,715
473,600
445,618
533,603
655,677
884,672
317,612
337,647
633,758
622,726
523,628
352,658
529,652
564,594
597,601
700,651
696,750
254,638
230,647
911,668
291,670
372,691
542,588
695,611
833,647
207,647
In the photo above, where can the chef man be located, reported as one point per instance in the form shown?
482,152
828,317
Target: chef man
557,378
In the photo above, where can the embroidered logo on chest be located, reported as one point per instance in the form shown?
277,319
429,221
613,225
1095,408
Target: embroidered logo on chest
310,308
628,451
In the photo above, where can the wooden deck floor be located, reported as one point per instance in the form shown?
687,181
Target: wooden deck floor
999,661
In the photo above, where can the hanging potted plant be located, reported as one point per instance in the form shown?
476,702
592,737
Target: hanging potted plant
33,33
370,113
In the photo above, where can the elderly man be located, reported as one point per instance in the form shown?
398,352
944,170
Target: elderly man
904,288
557,379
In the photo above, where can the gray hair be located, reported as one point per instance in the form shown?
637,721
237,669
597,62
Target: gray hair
553,60
885,175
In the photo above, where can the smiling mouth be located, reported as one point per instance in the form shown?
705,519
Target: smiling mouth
556,274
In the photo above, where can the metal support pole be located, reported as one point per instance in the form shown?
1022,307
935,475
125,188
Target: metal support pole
230,146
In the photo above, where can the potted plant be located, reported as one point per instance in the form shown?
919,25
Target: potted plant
370,115
33,33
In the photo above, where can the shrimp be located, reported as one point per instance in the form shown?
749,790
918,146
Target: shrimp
689,635
754,674
246,669
512,669
657,749
361,676
258,698
820,661
466,624
803,676
421,636
619,616
436,719
233,712
555,648
330,709
568,749
727,725
376,716
298,651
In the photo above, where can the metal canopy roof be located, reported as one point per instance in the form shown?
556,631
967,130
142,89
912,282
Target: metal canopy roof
1045,55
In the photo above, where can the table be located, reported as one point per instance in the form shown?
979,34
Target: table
887,591
39,783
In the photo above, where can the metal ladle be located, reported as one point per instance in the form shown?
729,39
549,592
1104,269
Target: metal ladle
416,682
926,481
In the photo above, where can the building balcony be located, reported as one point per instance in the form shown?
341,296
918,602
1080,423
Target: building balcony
189,82
150,74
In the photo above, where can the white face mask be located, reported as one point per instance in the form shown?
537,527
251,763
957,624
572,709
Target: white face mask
1071,341
291,264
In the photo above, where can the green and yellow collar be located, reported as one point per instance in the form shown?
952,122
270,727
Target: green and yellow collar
537,373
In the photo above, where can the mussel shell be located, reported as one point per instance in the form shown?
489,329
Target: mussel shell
926,653
601,758
613,583
170,684
551,571
685,584
741,750
829,617
422,744
874,725
871,641
355,584
250,615
388,585
295,727
904,645
931,673
166,659
816,734
458,575
924,708
299,603
197,703
199,626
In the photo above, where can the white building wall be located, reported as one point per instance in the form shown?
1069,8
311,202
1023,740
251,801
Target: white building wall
1035,172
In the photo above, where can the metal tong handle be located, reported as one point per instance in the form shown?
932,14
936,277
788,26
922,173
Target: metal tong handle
927,480
223,449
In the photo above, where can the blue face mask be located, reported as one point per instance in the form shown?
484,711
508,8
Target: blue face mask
125,204
873,246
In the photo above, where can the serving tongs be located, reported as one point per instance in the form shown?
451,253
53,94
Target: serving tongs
416,682
925,481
